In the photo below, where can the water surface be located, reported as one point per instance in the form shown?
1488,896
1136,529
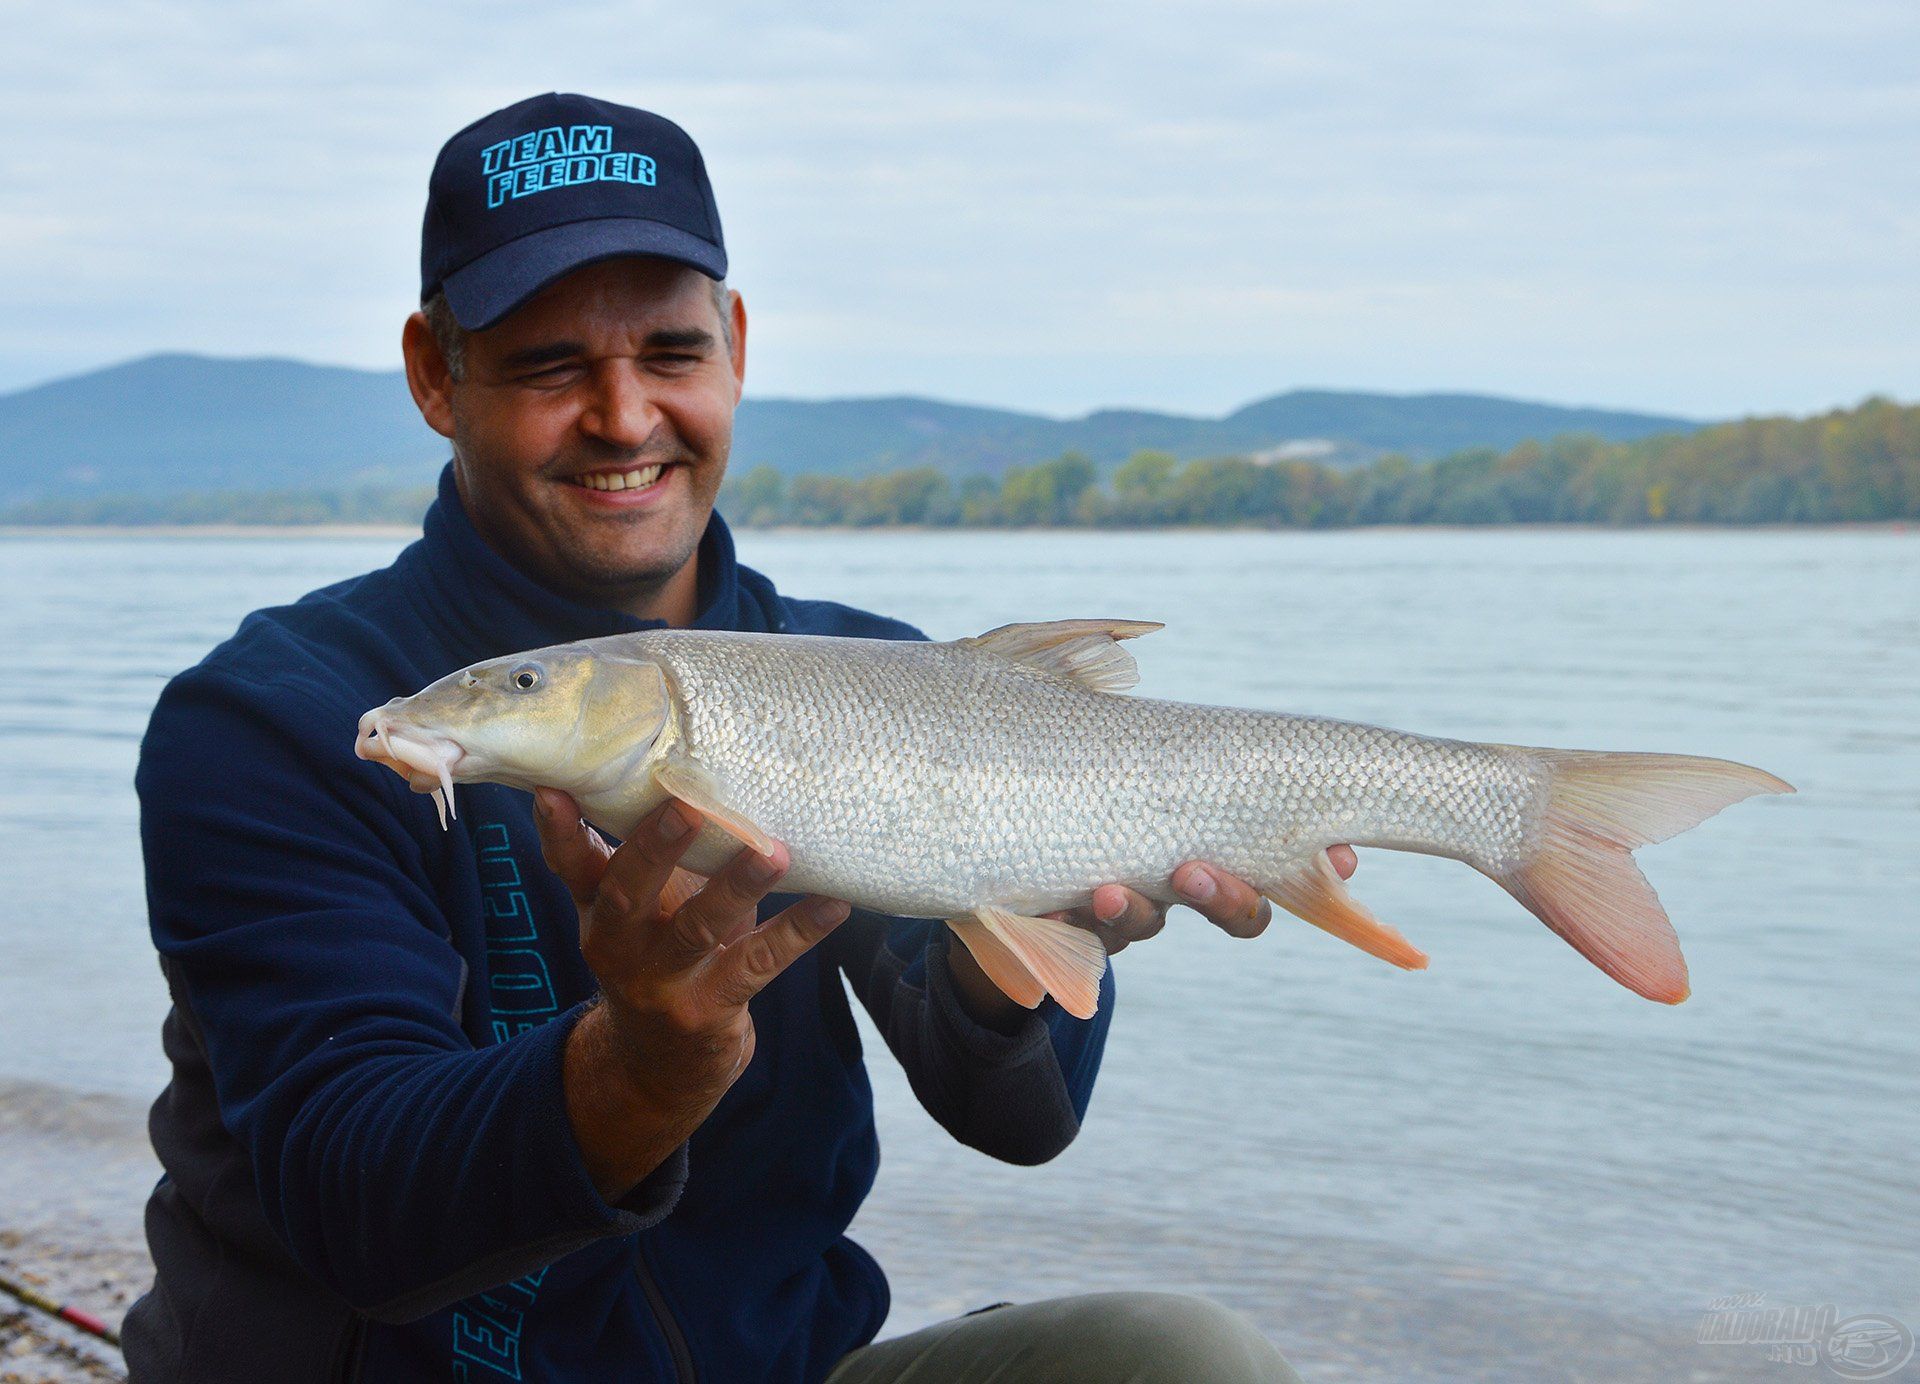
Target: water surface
1503,1167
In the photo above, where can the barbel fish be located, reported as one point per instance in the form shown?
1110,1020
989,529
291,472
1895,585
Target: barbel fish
989,781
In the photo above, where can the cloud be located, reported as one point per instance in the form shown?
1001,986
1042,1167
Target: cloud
1704,207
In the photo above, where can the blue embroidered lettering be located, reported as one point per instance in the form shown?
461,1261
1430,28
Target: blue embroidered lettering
542,160
486,1343
488,1329
590,139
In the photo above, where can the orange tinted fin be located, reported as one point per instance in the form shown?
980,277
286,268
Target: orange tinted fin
1580,879
700,791
681,886
1312,890
1003,968
1068,960
1085,651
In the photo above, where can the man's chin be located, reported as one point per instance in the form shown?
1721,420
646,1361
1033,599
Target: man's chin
641,556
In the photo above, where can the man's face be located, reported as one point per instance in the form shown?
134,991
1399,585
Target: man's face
592,426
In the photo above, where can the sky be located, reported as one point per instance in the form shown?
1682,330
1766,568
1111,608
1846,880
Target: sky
1704,207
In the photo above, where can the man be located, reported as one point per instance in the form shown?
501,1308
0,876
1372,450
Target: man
442,1111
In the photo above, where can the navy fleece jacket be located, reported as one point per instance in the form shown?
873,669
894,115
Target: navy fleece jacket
369,1170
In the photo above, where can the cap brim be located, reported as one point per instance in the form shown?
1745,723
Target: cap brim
485,291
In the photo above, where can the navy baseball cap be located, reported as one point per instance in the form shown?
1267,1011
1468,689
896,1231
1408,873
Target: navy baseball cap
547,185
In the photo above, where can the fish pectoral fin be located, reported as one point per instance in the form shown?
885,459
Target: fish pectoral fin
702,792
1067,961
1313,891
1003,968
1083,651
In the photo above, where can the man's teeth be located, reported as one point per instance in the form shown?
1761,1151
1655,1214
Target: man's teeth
619,480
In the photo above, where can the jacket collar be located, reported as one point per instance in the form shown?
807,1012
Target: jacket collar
485,606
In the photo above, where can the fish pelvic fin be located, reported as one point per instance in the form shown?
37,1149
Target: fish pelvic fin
701,791
1581,879
1083,651
1002,965
1313,891
1038,957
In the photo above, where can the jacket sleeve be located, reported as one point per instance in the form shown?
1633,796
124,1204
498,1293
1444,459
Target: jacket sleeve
1019,1097
401,1166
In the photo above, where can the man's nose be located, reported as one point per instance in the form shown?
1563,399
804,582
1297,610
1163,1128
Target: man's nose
620,408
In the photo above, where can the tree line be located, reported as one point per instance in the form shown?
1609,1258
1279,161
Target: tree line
1848,465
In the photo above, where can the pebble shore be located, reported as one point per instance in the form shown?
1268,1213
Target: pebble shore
77,1171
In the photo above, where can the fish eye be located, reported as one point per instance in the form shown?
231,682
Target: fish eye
525,677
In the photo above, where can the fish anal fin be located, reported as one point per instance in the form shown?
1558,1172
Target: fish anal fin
702,792
1313,891
1084,651
1069,961
1003,968
680,888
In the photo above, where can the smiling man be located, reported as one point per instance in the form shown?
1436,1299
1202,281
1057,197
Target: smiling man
503,1102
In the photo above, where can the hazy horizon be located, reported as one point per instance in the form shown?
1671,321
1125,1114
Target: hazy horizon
1056,414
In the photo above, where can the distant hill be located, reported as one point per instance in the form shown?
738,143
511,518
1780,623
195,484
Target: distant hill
168,424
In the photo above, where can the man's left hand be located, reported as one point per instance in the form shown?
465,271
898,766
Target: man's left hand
1119,915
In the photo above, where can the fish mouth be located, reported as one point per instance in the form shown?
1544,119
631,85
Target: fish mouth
423,758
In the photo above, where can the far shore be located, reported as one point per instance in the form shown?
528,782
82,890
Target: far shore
209,530
413,530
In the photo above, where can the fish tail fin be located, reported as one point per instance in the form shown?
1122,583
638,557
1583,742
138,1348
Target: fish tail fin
1580,878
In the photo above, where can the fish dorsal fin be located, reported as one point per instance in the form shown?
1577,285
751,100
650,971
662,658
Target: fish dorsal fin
1083,651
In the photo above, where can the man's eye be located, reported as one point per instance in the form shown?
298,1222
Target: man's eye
551,375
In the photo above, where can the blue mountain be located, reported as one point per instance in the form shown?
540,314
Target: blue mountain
170,424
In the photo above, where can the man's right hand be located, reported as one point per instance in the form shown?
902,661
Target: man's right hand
676,965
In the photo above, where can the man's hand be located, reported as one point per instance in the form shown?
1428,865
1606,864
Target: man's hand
676,965
1119,915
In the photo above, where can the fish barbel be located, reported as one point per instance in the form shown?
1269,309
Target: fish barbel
990,780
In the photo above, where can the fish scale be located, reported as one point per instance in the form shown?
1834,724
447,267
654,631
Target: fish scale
992,780
934,776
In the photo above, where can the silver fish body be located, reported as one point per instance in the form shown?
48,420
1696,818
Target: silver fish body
926,779
991,780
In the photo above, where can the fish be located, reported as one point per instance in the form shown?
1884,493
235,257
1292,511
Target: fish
995,780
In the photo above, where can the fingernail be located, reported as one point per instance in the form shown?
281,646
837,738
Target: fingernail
762,869
673,824
1108,911
830,913
1199,886
541,807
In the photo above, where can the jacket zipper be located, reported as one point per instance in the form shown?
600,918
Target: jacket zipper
663,1315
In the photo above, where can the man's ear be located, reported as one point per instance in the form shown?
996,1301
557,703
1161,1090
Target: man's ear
428,378
739,349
